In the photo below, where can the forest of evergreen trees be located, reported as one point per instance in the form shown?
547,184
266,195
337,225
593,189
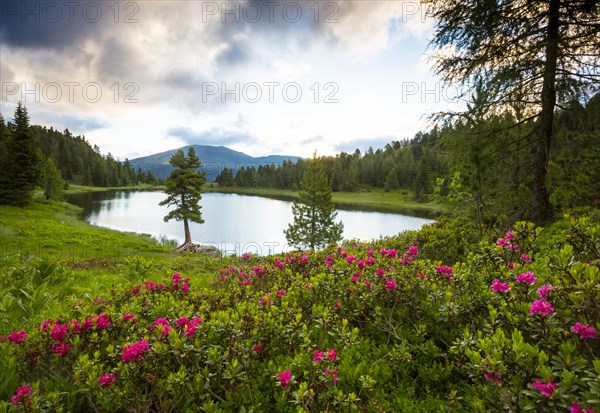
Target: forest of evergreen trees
481,163
35,156
401,164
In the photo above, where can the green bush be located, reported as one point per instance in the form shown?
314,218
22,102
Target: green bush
397,325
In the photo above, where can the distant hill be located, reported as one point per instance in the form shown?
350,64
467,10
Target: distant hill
213,158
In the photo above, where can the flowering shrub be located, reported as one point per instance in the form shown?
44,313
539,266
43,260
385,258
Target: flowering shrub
367,327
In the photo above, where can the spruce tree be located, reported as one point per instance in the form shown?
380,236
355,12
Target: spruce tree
21,162
314,211
184,190
52,180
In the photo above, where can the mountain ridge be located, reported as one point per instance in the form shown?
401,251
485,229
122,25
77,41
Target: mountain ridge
213,158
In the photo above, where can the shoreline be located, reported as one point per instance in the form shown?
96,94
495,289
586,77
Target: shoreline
397,202
376,201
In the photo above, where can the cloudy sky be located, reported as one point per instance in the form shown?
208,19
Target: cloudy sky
263,77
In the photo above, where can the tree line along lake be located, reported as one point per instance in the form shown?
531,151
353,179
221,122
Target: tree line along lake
233,223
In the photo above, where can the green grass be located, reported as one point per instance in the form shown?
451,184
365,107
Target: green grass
73,188
401,202
49,257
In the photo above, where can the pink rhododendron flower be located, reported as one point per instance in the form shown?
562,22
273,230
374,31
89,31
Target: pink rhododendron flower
61,348
102,321
367,283
336,305
370,253
547,389
279,264
22,395
525,258
128,317
190,327
542,307
447,271
329,261
280,293
17,337
45,326
421,275
576,408
332,355
527,278
106,380
190,330
380,272
498,286
266,300
285,378
164,323
258,348
304,259
135,352
493,377
510,235
413,250
406,260
544,290
318,356
332,374
585,331
511,265
74,325
501,242
390,284
59,331
151,286
245,256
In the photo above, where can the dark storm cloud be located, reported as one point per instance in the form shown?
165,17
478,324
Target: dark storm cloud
214,136
279,23
50,24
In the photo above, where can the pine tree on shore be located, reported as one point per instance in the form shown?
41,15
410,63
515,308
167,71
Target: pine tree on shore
184,186
314,212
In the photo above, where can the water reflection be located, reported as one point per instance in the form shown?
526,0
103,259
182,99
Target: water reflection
233,223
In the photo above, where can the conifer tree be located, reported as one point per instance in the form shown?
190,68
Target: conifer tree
52,180
537,54
184,190
314,211
21,161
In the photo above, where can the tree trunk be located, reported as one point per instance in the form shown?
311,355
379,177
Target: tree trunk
186,229
541,209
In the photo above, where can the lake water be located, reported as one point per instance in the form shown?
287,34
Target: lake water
233,223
